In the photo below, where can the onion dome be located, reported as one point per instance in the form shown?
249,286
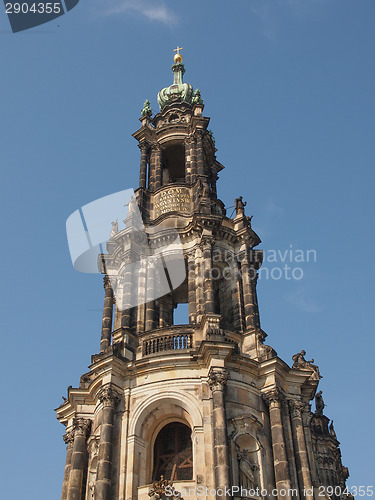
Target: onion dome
178,91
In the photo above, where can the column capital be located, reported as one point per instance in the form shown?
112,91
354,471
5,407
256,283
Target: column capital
206,243
81,426
199,132
108,396
188,139
107,282
218,378
296,407
69,438
273,398
155,146
143,145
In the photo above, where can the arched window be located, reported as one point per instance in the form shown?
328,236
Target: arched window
174,164
173,453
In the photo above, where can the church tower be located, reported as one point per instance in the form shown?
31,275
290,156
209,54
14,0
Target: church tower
204,409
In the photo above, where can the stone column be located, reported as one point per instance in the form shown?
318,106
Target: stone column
306,420
143,166
199,284
193,159
81,427
208,286
248,297
141,308
192,285
126,303
156,173
187,144
303,466
68,439
105,339
217,381
238,298
200,155
150,305
108,397
280,461
289,445
255,298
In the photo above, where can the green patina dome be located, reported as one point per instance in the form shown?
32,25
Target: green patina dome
178,91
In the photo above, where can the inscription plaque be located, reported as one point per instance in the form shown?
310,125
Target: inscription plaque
174,199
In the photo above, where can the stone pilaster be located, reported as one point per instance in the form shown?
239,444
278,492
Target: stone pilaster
105,339
108,397
143,166
217,380
81,428
303,466
208,286
68,439
280,461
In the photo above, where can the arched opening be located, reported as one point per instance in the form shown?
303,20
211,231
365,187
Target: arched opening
173,453
174,164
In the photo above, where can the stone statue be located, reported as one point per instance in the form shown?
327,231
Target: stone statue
299,360
114,228
319,403
211,134
197,99
246,470
239,205
146,110
203,189
132,205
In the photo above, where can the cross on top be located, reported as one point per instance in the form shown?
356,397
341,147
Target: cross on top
178,49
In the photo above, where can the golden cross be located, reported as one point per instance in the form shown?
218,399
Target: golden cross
178,49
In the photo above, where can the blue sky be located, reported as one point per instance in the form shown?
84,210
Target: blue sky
289,87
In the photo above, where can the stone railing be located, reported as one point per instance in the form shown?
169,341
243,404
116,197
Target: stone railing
168,340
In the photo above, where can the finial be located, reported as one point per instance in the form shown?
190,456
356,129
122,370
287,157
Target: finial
178,57
146,110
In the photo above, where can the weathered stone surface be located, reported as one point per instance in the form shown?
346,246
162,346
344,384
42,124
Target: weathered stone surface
247,411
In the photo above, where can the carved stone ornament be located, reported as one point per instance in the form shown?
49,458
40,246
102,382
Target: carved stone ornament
81,426
273,398
217,379
106,282
68,438
296,407
206,243
108,396
157,491
245,424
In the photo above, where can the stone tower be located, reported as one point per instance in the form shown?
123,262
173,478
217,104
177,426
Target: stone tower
203,409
